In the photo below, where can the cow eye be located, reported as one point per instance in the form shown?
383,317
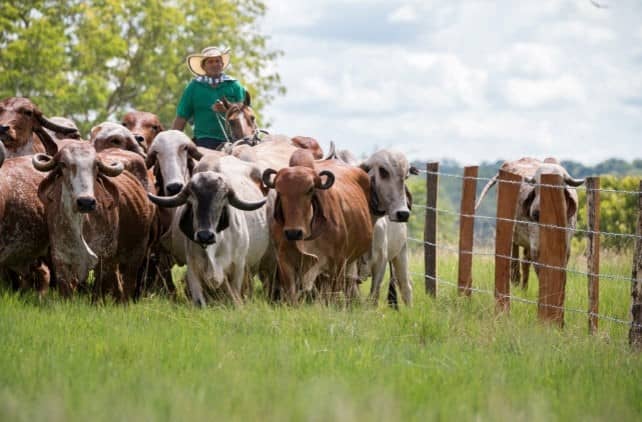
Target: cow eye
27,112
383,173
124,124
115,141
156,128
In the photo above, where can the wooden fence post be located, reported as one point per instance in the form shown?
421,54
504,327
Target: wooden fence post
508,185
552,249
430,228
593,259
635,332
466,229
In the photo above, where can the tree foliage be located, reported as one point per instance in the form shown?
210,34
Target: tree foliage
94,60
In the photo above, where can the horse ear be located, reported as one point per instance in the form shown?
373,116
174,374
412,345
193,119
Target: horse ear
221,105
248,99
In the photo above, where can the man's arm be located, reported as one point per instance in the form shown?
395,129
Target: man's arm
179,123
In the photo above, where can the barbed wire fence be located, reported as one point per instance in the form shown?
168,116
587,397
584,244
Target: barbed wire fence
554,234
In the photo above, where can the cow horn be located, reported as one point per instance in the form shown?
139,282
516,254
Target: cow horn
236,202
169,201
332,154
65,130
3,153
530,180
194,152
43,162
266,178
573,182
112,170
329,181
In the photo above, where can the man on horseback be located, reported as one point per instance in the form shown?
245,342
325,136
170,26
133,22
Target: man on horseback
209,85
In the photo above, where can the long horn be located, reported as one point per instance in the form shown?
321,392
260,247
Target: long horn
169,201
236,202
43,162
50,145
65,130
573,182
267,174
484,191
332,154
194,152
112,170
3,153
329,181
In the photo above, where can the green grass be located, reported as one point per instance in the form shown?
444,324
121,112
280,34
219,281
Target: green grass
448,358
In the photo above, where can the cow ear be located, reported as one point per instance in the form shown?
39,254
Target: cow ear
571,204
318,219
107,193
159,180
408,197
186,223
278,211
48,190
190,166
223,220
526,205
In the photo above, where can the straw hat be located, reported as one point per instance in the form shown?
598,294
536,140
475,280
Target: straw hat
194,61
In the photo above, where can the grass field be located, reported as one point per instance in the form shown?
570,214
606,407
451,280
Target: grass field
448,358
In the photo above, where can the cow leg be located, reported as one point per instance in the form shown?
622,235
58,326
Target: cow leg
232,293
526,267
400,273
236,281
514,265
195,288
378,272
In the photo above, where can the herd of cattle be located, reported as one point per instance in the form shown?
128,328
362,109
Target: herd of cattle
134,200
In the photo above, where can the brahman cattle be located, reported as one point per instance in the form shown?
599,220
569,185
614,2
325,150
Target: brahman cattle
20,119
526,232
144,126
322,224
99,218
112,135
219,213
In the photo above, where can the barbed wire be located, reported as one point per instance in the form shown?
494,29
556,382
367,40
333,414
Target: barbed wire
519,182
526,261
551,226
531,302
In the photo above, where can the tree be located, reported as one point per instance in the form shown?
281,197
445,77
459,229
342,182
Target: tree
94,60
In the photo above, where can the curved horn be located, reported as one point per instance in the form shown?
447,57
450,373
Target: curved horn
194,152
3,153
169,201
43,162
112,170
484,191
236,202
332,154
267,174
50,145
65,130
573,182
329,181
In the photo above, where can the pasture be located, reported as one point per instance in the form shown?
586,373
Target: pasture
448,358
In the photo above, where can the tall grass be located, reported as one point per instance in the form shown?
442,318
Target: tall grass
449,358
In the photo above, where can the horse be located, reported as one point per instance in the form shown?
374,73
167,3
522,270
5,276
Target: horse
240,121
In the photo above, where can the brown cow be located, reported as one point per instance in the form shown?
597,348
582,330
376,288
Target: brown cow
23,230
99,217
525,233
20,119
322,223
144,125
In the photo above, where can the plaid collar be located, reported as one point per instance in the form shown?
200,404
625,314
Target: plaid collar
213,81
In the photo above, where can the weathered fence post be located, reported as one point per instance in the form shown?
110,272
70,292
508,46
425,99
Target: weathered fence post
593,259
430,228
508,185
635,332
466,229
551,262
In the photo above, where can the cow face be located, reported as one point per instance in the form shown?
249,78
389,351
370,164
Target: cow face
388,171
172,154
112,135
17,121
144,126
77,169
298,205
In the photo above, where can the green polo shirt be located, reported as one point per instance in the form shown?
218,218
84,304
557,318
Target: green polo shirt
197,101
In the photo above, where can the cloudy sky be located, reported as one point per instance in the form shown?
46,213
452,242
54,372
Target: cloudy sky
471,80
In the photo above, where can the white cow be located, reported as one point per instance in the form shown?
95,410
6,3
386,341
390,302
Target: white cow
221,206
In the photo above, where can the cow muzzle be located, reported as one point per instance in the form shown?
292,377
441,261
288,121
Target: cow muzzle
173,188
86,204
205,237
293,234
401,216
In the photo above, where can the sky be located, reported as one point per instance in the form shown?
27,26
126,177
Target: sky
469,80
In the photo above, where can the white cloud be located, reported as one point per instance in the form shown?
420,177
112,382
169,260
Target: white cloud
405,13
536,93
528,59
